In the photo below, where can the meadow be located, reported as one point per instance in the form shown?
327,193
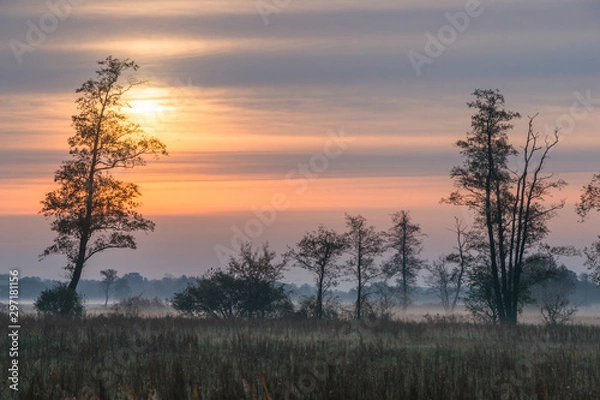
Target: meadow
117,357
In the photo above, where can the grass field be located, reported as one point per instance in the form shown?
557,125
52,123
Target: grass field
111,357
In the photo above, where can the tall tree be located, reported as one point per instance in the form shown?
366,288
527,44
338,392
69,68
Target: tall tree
92,210
319,252
406,240
109,276
590,201
509,204
364,244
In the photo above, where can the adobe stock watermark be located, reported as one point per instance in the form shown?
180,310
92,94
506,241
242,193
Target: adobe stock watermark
436,45
38,31
266,8
299,178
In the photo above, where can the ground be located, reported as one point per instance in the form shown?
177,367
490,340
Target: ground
116,357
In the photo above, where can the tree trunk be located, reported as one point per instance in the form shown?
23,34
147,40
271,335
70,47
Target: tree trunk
87,222
319,310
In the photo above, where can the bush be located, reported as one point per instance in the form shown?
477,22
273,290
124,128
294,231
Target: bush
60,300
222,295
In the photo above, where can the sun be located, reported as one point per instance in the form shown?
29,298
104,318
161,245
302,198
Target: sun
145,107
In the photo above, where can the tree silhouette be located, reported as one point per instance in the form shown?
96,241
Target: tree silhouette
509,204
447,274
109,277
590,201
246,288
364,244
92,210
318,252
590,198
406,240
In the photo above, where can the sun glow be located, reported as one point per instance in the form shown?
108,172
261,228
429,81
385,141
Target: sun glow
146,107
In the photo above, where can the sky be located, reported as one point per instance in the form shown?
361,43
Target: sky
280,115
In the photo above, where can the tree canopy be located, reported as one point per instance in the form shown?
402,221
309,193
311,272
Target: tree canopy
92,210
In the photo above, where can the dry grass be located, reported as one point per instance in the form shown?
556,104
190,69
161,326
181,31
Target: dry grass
112,357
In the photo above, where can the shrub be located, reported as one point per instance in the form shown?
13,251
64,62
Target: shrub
222,295
60,300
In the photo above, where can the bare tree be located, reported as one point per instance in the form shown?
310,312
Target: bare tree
509,205
405,239
364,244
92,210
447,275
109,277
462,257
319,252
441,281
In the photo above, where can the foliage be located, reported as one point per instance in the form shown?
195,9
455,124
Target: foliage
590,198
60,300
122,289
319,252
406,240
259,264
538,269
509,204
93,211
592,261
480,300
248,288
364,244
222,295
552,295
